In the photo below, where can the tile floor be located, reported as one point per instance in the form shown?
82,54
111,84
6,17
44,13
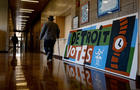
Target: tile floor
31,71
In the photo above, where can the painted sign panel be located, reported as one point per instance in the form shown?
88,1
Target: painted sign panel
109,46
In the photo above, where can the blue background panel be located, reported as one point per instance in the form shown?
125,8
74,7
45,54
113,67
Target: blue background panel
99,57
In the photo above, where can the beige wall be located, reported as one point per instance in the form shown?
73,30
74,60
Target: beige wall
4,25
68,21
63,41
126,7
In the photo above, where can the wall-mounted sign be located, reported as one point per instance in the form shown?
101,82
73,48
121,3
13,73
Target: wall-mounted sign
75,22
108,6
85,13
110,45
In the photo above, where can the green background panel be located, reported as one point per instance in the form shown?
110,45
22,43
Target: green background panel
108,37
77,42
88,37
130,59
90,42
66,50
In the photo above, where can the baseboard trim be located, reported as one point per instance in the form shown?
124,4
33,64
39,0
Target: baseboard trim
3,51
138,77
57,57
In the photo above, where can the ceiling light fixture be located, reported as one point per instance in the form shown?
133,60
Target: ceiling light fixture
25,11
20,79
21,84
22,20
23,16
22,9
19,22
19,25
33,1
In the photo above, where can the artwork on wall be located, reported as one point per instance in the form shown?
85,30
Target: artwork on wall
75,22
110,46
85,13
107,6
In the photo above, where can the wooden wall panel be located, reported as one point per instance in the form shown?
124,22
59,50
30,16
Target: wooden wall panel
36,33
60,20
4,25
2,40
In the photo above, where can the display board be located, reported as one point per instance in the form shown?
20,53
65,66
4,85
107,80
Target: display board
110,46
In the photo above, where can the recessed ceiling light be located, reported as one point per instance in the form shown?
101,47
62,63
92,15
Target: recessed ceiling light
21,84
26,10
22,20
33,1
21,24
31,10
23,16
20,79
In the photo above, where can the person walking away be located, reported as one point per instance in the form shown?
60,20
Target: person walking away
15,41
50,31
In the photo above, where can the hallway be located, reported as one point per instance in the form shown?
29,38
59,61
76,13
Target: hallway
94,34
33,72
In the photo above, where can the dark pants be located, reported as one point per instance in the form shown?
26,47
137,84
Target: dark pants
14,49
48,46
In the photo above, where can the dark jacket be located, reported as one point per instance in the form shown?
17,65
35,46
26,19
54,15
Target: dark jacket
14,40
50,31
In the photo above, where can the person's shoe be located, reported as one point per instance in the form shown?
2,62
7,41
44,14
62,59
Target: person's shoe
47,53
49,60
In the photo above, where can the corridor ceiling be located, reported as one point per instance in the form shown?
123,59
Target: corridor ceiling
25,12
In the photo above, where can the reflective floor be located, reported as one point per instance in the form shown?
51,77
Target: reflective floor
32,72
